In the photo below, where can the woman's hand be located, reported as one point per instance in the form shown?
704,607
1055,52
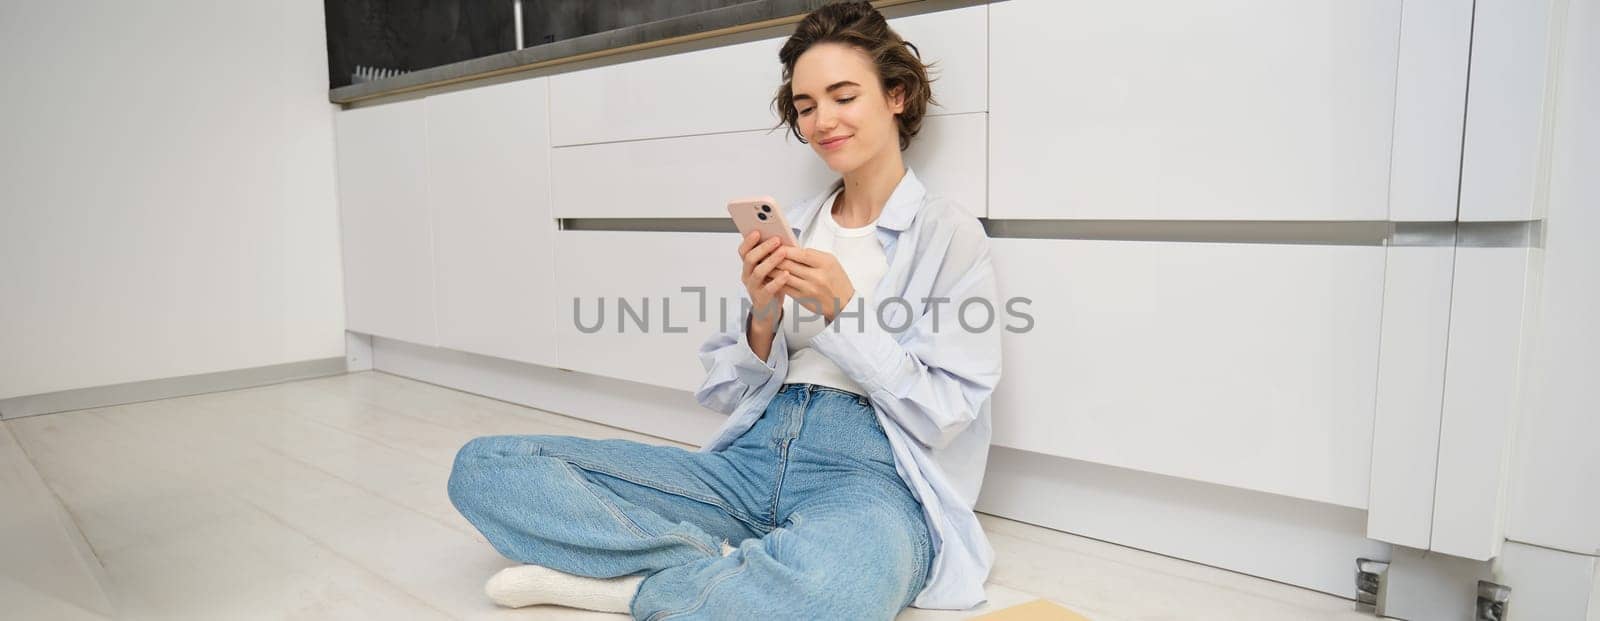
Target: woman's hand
815,279
764,286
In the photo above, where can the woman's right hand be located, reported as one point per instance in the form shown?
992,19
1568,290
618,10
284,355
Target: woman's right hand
761,281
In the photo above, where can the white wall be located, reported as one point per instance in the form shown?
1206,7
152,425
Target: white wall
167,193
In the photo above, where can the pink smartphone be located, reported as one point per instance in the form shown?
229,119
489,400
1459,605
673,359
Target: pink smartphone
761,213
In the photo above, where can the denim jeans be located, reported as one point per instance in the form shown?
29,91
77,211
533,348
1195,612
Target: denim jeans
824,526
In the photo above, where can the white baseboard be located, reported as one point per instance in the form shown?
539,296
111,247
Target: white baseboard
1547,583
1299,542
357,352
651,410
167,388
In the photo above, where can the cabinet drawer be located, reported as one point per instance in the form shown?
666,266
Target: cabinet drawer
643,269
695,176
1182,109
1249,365
730,88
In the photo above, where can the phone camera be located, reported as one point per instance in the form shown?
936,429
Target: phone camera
762,216
767,208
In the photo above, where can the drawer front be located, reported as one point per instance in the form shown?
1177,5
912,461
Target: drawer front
1249,365
696,176
1185,110
730,88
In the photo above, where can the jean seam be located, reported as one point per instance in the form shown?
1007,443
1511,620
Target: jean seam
794,521
615,511
783,459
705,594
664,487
925,545
777,486
628,522
927,558
698,545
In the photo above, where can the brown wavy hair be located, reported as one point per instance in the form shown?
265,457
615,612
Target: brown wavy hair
898,62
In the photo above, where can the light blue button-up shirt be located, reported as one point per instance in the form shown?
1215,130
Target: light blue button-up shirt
929,379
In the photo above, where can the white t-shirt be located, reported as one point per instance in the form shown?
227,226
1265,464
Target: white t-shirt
862,257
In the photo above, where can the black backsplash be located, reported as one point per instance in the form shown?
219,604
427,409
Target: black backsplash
547,21
414,34
407,35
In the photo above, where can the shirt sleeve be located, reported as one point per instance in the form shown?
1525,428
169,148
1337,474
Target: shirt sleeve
934,378
732,369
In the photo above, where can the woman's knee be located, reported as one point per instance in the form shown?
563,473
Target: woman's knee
871,554
482,447
480,463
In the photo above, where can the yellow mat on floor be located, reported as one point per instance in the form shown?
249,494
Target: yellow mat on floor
1036,610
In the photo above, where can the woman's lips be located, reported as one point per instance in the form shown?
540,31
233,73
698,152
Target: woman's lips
834,143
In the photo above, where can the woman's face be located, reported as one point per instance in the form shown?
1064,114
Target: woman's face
844,113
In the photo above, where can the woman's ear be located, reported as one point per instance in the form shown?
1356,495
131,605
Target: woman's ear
897,99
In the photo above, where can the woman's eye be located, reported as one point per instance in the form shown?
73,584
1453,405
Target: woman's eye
805,112
847,100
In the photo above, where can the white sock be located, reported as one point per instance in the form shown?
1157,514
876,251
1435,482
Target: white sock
530,585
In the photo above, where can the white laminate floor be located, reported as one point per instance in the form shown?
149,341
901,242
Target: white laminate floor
325,499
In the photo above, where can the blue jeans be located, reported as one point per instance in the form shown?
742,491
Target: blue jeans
825,527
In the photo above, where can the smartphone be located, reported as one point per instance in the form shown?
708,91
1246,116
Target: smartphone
762,214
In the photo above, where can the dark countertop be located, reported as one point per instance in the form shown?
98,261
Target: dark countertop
705,24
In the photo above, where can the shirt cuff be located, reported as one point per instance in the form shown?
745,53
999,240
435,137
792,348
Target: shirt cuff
755,372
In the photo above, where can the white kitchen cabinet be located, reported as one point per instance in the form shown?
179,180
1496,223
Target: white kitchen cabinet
385,226
682,177
1430,96
1192,110
489,191
622,279
1487,314
1504,167
1411,371
1549,584
730,88
695,176
1248,365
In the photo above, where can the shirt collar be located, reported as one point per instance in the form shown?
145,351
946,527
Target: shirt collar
896,216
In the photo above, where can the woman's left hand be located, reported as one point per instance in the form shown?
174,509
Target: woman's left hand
817,281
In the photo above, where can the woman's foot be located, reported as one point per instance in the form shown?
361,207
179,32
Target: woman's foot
530,585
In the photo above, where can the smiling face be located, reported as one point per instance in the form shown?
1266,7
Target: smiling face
842,108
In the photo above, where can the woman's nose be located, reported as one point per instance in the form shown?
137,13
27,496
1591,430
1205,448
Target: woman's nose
826,121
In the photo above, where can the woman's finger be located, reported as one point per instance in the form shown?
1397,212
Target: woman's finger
809,257
800,270
748,242
753,258
777,283
771,261
758,250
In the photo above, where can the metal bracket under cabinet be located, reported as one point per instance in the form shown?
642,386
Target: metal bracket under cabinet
1492,600
1371,576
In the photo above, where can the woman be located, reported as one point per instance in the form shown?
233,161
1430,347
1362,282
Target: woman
859,412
